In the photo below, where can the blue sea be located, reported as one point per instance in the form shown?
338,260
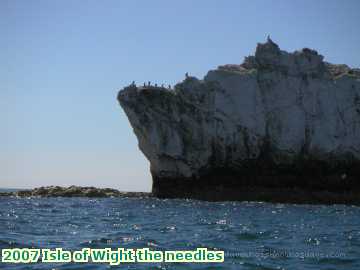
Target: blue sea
253,235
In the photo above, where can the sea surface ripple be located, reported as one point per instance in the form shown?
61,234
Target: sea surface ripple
252,235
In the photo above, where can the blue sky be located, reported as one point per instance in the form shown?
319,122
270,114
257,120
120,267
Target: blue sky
62,63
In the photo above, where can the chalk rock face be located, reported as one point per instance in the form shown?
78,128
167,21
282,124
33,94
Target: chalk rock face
276,119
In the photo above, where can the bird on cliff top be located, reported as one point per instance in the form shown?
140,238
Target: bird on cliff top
269,40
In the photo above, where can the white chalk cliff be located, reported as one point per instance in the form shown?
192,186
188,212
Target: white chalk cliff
278,107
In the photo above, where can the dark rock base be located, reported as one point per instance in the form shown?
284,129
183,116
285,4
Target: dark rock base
312,183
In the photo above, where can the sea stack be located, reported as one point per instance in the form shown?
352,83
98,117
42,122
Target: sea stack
277,125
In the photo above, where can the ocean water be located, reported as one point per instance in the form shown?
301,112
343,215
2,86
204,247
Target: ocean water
252,235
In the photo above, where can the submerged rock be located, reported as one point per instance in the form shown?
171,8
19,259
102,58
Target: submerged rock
278,121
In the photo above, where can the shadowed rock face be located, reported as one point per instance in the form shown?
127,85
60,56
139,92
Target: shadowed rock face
278,121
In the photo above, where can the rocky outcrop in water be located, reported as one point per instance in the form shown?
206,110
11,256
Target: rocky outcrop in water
73,191
278,121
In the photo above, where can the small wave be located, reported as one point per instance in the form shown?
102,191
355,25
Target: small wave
337,261
258,266
251,236
13,244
